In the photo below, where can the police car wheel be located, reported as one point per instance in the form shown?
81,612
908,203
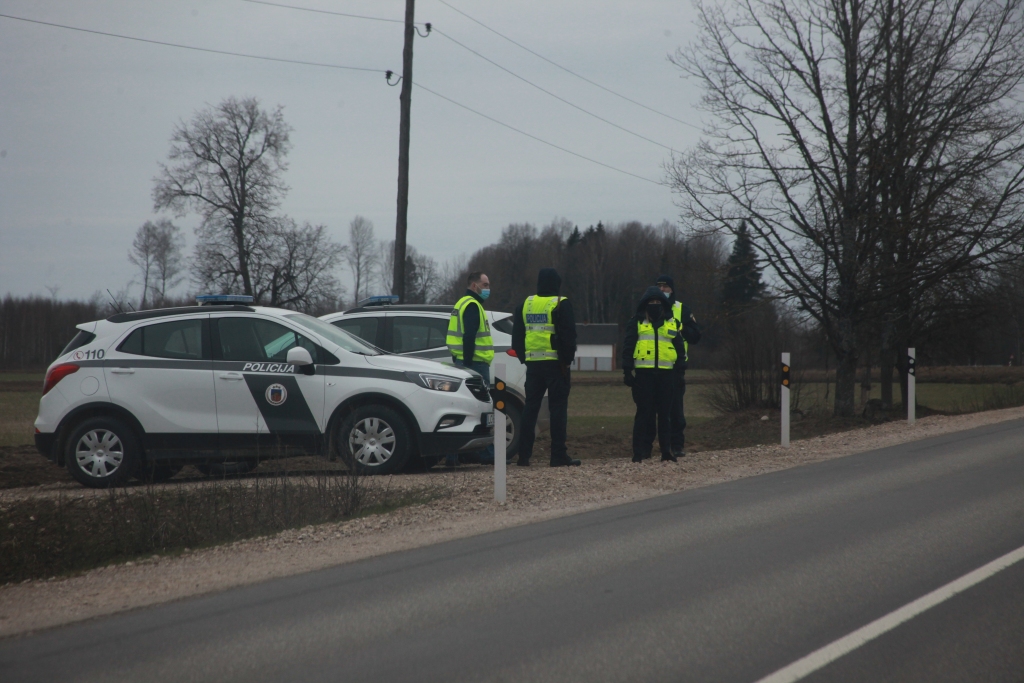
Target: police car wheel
102,452
374,440
513,418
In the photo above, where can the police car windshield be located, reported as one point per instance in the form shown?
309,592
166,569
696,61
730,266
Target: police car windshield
331,333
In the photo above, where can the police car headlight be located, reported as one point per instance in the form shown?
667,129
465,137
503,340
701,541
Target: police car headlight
436,382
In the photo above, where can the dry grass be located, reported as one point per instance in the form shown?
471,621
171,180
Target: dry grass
68,533
18,411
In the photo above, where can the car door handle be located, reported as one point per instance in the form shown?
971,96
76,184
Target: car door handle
123,371
231,375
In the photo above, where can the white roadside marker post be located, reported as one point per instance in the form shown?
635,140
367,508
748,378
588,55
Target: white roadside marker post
911,385
499,432
785,400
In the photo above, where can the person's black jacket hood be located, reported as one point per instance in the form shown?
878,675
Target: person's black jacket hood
548,282
653,293
632,333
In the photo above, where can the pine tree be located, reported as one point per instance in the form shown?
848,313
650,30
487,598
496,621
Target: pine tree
742,284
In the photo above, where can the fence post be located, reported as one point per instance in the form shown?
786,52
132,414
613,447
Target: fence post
911,385
499,432
785,400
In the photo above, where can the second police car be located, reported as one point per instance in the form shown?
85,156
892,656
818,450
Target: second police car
224,384
420,331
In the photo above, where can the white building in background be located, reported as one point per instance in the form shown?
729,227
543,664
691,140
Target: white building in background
596,347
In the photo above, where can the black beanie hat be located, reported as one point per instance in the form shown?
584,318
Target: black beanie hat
666,280
548,282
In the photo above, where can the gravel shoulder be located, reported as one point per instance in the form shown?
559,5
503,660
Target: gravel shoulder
534,494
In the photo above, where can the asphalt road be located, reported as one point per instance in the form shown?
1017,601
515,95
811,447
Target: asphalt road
724,583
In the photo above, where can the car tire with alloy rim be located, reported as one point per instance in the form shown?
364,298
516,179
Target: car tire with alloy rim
374,439
102,452
513,418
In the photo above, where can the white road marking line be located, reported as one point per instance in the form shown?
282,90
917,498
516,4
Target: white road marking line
836,649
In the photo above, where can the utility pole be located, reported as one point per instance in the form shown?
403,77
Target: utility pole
405,98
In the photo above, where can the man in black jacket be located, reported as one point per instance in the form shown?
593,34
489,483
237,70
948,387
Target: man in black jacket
652,347
691,334
547,344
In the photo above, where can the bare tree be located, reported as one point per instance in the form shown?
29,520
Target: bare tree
386,264
143,256
226,165
786,84
424,281
293,267
363,254
157,253
301,273
870,145
950,137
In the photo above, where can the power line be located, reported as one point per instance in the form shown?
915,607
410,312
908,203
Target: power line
481,56
331,66
567,70
534,137
551,94
323,11
192,47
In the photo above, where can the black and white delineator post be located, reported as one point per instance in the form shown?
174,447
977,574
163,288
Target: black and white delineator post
785,400
911,385
500,399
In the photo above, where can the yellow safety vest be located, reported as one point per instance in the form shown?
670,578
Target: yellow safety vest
483,352
654,349
677,313
540,327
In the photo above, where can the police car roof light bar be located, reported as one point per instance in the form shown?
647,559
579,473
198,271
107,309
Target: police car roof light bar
380,300
221,299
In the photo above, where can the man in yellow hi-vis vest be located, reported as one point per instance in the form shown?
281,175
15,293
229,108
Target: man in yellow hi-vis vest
469,339
544,337
691,335
652,347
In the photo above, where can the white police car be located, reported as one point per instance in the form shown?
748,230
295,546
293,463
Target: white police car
421,330
225,384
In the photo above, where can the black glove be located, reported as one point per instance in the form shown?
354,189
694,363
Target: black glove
627,377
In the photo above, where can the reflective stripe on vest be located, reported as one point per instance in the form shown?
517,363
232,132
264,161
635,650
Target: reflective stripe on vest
540,327
654,349
483,351
677,313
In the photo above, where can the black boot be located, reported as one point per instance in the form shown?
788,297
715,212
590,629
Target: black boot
668,457
565,462
523,462
639,457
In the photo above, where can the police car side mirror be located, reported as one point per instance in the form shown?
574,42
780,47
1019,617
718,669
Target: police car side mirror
299,356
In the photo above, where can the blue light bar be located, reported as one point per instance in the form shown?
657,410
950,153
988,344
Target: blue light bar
380,300
214,299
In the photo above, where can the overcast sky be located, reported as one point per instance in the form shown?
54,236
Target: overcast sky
86,119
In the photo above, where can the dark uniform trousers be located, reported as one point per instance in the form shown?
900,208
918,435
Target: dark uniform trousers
653,393
544,376
678,419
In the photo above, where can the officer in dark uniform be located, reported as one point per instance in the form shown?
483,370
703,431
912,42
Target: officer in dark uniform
544,337
691,335
652,347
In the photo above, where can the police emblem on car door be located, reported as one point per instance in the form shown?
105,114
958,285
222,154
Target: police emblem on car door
258,391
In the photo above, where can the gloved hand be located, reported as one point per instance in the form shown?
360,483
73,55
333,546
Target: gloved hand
627,377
